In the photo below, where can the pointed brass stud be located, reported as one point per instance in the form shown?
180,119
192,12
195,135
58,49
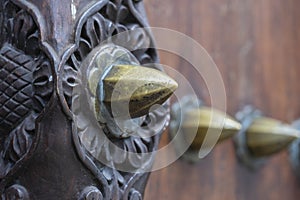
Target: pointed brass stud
261,137
266,136
209,121
130,91
194,125
121,92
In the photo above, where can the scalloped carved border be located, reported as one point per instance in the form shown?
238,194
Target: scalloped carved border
52,73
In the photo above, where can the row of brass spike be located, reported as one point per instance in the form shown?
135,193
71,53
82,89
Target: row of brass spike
143,87
264,136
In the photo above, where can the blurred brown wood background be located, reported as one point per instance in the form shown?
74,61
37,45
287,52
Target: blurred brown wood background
256,45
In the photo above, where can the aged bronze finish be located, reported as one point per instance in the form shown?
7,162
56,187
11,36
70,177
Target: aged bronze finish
204,119
136,86
55,141
261,137
193,123
266,136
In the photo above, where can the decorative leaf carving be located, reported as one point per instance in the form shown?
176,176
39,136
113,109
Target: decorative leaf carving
26,71
115,17
26,85
19,140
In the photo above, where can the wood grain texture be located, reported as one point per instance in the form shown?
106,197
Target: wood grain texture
256,46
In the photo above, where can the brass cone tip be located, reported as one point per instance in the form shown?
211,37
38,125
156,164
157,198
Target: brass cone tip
205,121
267,136
135,89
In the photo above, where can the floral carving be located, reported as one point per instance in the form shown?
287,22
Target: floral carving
28,72
101,28
26,86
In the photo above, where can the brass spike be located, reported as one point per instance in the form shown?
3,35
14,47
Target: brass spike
135,88
267,136
204,119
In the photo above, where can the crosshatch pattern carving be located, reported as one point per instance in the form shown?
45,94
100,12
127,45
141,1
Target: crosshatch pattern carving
33,77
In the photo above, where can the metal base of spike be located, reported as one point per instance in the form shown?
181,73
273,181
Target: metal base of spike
176,135
246,117
44,150
294,151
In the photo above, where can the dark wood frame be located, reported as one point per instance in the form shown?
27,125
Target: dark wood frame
42,46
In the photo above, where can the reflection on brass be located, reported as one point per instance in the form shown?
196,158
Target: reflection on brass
134,89
208,121
266,136
260,137
195,127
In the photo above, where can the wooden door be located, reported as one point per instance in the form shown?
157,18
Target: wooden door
256,46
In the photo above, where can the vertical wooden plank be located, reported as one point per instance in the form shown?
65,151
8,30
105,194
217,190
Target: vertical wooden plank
256,47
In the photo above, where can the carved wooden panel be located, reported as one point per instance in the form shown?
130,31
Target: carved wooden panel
45,46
